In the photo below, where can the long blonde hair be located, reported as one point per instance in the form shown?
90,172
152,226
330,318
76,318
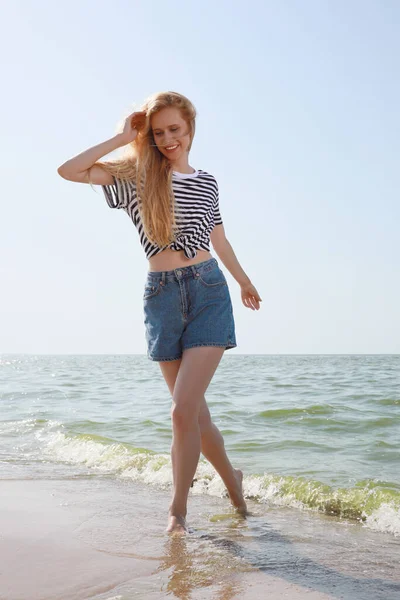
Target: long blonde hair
151,170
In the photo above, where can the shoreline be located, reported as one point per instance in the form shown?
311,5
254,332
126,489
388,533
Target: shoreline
104,539
54,544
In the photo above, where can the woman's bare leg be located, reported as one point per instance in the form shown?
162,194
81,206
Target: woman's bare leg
195,373
211,440
213,448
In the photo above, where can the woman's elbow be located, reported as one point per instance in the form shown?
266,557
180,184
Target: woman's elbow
62,171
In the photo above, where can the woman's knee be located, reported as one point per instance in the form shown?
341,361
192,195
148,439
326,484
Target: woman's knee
183,415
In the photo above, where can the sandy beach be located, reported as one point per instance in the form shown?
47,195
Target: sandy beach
100,538
58,543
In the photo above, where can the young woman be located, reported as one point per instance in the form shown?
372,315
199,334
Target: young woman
187,306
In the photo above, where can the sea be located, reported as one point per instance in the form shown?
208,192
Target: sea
317,437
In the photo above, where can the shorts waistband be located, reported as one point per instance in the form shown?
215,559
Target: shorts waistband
181,272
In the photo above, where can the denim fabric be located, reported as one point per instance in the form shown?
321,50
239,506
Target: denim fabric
187,307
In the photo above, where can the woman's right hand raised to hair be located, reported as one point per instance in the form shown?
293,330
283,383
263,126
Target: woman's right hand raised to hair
132,125
83,169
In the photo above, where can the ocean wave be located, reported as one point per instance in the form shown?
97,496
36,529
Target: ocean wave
373,503
283,413
15,428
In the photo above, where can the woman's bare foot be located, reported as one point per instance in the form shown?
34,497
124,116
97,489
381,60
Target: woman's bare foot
236,495
176,524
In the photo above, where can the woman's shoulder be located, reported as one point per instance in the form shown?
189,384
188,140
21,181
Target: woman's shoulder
199,175
207,175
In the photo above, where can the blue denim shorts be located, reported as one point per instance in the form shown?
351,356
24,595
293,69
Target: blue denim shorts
187,307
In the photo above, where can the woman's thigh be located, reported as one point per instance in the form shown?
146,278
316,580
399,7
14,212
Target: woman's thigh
170,370
195,373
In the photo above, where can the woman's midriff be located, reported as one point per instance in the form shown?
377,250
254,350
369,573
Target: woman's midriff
168,259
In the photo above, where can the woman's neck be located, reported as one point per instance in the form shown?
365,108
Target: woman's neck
182,166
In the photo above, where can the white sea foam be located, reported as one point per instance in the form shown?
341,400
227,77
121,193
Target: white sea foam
386,518
26,426
126,462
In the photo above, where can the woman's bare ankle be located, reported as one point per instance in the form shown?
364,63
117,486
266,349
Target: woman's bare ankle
177,525
176,520
236,493
177,511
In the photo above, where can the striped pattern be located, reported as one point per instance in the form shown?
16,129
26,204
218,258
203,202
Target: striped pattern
196,210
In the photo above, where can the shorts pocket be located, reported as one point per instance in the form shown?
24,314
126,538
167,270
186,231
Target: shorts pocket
212,278
150,290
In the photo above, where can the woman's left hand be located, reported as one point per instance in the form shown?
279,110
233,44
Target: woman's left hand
250,296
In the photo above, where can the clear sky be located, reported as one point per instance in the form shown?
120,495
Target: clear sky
298,119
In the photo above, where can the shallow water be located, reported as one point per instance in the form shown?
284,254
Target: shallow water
320,431
317,438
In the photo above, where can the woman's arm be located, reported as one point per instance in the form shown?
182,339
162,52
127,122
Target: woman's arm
225,252
82,167
250,296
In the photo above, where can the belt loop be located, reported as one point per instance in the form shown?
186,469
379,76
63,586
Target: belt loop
162,278
193,270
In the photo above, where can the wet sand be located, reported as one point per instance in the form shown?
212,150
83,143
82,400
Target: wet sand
102,538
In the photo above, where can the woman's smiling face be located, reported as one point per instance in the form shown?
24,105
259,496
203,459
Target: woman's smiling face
171,133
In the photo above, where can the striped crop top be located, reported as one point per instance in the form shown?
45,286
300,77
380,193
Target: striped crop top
196,210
